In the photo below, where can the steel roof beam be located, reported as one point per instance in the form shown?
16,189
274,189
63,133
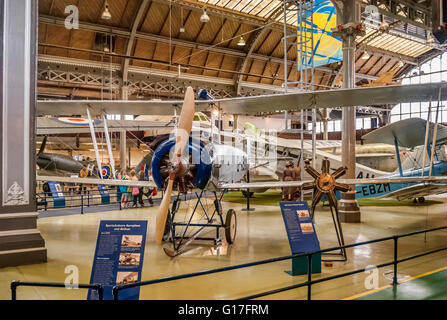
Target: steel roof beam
185,43
132,36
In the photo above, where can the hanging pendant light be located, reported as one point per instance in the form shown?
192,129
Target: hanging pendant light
106,15
430,38
241,42
366,56
182,27
204,18
384,25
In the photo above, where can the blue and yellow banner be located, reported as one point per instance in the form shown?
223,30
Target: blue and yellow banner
326,48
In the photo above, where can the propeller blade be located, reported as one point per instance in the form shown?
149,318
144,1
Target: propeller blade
162,214
181,140
185,123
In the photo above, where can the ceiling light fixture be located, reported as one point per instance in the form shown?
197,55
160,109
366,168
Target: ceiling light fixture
430,38
106,15
366,56
204,18
384,25
182,27
241,42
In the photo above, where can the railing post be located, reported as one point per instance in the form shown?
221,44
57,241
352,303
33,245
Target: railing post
395,238
45,201
100,292
88,198
115,293
309,276
82,203
14,285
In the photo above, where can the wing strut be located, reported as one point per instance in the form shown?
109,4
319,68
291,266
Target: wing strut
399,163
427,132
95,144
435,134
109,147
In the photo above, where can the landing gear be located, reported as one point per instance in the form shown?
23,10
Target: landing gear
246,194
230,226
204,214
419,200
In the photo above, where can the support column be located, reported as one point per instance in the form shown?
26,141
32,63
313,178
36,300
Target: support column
348,29
325,128
123,150
20,240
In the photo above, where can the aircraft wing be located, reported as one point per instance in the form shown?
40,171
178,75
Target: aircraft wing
409,133
282,184
109,182
257,104
79,125
418,190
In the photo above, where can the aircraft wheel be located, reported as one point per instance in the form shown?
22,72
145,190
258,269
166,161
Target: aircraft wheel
246,194
421,199
230,226
46,188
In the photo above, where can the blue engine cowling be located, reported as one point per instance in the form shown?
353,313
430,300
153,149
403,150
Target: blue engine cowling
198,151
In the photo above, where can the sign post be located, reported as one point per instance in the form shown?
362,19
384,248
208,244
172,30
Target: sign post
118,257
302,236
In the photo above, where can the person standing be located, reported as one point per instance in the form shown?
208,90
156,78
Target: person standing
135,191
288,175
123,189
139,197
297,170
83,174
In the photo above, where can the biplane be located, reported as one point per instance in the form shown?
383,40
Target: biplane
184,165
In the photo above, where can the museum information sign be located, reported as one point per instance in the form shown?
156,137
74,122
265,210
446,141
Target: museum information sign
118,257
57,194
302,235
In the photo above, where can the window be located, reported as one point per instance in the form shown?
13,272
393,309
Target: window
431,71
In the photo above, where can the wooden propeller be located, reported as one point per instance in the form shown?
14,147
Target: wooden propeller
181,141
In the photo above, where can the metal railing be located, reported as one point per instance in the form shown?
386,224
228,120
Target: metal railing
15,284
82,201
116,289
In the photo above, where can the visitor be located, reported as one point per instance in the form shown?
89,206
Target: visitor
289,174
83,174
125,196
135,191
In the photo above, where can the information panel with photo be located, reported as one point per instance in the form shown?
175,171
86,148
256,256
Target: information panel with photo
118,257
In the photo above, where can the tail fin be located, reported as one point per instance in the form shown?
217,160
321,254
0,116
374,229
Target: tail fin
42,147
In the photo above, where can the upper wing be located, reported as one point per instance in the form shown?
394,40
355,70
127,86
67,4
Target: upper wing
409,133
258,104
66,125
418,190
